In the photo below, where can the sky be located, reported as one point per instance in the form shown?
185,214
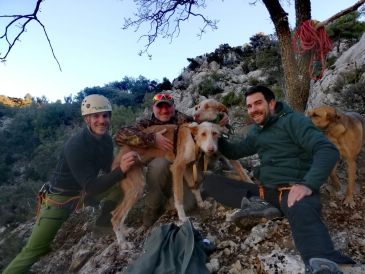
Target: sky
94,50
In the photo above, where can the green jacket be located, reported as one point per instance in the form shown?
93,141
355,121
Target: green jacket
291,150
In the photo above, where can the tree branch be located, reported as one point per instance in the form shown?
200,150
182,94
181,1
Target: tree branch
339,14
165,18
18,22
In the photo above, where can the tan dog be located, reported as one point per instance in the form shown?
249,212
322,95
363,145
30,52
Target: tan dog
347,132
206,137
213,111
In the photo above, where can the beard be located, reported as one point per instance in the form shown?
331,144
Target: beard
259,117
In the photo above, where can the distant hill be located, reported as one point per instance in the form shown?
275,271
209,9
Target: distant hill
16,102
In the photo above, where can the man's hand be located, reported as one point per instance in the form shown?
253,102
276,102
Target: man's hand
225,120
128,160
298,192
162,142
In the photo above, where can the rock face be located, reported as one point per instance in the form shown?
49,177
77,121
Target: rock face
264,247
343,83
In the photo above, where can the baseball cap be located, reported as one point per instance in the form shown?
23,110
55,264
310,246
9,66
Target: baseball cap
163,98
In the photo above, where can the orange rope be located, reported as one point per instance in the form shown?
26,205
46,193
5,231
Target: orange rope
281,189
41,198
308,38
261,192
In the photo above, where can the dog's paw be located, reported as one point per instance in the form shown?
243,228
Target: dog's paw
126,245
181,221
349,202
127,230
206,205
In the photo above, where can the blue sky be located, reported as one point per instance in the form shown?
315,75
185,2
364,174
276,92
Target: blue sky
93,50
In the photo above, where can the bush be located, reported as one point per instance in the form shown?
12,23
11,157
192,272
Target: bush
18,202
253,81
330,61
44,159
208,86
123,116
277,90
232,99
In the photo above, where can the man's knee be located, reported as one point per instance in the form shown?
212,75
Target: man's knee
305,212
158,177
158,167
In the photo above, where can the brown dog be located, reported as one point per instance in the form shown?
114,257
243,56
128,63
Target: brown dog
190,138
347,132
213,111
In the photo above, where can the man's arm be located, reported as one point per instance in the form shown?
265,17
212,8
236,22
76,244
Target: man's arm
237,150
324,153
84,171
134,135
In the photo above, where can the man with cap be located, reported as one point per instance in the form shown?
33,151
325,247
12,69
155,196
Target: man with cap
158,177
83,170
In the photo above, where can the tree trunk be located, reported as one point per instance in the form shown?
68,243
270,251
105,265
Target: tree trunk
296,74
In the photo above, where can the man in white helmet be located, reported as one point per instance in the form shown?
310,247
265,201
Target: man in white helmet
83,170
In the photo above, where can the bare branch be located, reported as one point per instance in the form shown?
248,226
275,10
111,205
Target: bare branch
341,13
21,21
165,17
49,43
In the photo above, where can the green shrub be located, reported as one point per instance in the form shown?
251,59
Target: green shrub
277,90
330,61
253,81
45,158
232,99
209,87
348,78
123,116
18,202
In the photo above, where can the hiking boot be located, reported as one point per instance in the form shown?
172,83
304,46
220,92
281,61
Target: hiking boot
105,215
322,266
252,211
208,246
151,215
101,231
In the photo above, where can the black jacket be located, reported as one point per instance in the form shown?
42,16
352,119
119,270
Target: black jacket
84,165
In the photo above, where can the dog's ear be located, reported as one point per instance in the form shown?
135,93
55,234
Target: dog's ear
193,128
222,108
333,116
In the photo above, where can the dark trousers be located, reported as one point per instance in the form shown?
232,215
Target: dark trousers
310,234
159,185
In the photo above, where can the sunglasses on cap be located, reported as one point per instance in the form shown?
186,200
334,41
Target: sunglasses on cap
163,97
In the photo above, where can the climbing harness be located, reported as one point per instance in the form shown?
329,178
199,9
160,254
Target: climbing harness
280,191
44,199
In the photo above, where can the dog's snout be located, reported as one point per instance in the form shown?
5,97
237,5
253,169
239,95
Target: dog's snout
211,149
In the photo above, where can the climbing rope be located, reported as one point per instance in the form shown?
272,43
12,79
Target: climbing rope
42,198
308,38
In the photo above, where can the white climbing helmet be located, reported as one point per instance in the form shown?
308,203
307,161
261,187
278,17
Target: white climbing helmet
95,103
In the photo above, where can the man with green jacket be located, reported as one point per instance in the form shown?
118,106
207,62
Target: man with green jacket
295,160
83,170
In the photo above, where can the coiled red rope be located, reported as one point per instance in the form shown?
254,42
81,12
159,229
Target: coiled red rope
308,38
